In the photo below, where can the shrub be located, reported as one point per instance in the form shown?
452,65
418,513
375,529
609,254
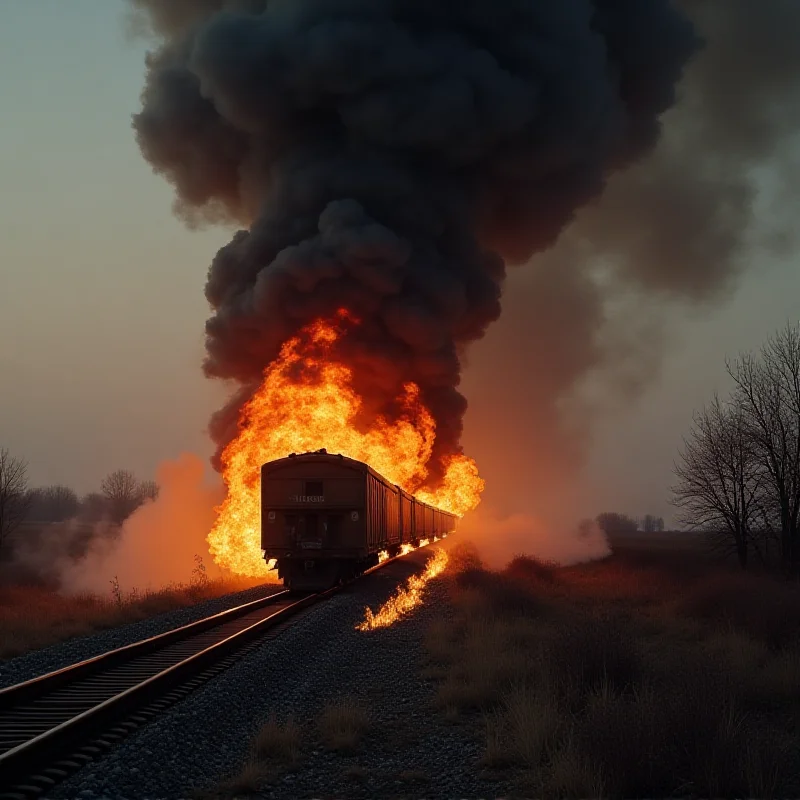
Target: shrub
526,568
590,653
278,742
342,724
765,608
499,595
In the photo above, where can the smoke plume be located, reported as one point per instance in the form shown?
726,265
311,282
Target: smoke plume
500,538
158,541
676,229
390,157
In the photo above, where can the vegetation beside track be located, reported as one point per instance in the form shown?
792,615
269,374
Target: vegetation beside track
32,617
645,674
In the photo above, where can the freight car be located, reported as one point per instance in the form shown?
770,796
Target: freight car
326,518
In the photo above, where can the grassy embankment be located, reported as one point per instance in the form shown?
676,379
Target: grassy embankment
33,616
655,672
651,673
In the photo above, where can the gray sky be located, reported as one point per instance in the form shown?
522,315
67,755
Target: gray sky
97,372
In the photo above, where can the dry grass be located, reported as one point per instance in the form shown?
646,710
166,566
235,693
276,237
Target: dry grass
246,782
276,747
765,609
278,743
342,724
34,617
625,677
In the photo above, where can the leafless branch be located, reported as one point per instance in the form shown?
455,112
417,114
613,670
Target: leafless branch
14,498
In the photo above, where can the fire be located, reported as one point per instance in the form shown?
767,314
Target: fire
407,598
306,402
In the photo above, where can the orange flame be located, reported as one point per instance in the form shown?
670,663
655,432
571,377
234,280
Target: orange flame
306,402
406,598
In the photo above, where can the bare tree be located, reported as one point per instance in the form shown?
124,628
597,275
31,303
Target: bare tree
53,504
719,477
148,490
14,499
94,507
613,522
652,524
767,390
123,492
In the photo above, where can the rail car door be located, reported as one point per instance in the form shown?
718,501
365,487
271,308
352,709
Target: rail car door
309,533
315,531
332,529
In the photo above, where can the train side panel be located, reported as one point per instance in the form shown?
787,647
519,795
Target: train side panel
427,523
393,522
376,513
407,518
383,515
326,518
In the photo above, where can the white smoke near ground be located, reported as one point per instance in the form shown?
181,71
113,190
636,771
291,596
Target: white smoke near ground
160,540
500,538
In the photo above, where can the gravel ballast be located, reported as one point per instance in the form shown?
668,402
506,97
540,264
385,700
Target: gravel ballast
58,656
409,750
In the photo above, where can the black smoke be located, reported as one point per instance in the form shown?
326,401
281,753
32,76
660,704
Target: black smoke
390,157
669,239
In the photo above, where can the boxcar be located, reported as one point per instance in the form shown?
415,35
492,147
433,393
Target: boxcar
326,518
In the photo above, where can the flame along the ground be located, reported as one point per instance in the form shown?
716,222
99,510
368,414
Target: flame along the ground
407,597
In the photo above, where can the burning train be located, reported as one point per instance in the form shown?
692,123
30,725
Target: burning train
326,518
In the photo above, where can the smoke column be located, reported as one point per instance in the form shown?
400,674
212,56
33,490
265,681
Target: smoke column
672,232
391,157
174,527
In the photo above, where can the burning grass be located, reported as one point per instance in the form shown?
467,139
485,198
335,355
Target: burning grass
32,617
617,679
407,597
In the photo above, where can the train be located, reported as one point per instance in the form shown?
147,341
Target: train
326,518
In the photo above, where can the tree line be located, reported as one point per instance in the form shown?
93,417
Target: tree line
120,494
612,522
738,472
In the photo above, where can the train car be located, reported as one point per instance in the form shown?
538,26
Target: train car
326,518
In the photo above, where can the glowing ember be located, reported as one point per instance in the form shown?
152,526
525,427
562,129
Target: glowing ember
407,598
307,402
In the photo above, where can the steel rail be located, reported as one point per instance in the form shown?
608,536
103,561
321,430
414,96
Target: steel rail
84,709
21,692
53,713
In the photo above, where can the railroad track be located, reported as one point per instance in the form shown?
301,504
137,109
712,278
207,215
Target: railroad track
53,725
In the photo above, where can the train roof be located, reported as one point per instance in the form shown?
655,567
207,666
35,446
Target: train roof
351,463
322,455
